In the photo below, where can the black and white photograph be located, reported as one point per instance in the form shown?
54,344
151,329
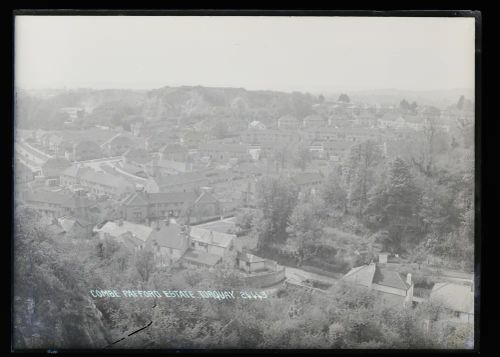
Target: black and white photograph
244,182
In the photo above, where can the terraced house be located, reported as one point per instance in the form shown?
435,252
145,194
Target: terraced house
98,183
140,206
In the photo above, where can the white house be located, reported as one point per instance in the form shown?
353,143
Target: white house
391,287
457,299
211,241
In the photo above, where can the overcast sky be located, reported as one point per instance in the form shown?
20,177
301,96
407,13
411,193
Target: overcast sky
279,53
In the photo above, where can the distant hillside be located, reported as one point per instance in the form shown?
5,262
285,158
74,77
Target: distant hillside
184,103
438,98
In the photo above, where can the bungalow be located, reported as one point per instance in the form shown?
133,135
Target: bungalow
389,285
212,242
457,299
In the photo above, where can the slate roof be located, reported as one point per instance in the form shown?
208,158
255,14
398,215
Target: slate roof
59,199
168,197
454,296
139,231
143,198
182,178
365,275
68,223
201,258
211,237
389,278
102,178
362,275
247,257
206,197
169,236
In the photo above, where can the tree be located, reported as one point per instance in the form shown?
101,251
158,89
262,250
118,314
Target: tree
280,155
404,105
361,172
220,130
276,199
244,219
402,194
306,229
344,98
334,194
145,263
51,303
302,157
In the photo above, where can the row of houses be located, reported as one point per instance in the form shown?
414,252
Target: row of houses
142,206
456,299
172,242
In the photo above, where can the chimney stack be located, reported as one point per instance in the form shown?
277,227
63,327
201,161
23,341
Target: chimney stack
408,279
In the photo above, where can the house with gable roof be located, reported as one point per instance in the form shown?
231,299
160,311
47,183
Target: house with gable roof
141,205
132,235
75,227
288,122
387,283
210,241
457,299
169,241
